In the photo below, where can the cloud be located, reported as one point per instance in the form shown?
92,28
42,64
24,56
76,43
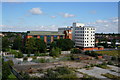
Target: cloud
29,28
36,11
67,15
53,16
107,26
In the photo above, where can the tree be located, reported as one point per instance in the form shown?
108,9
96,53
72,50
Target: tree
41,46
65,44
30,46
18,55
5,69
55,52
34,45
113,43
75,51
5,43
17,43
53,45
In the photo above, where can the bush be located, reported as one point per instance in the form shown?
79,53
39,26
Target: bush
63,70
10,62
110,63
114,58
55,52
60,72
75,51
25,58
34,57
28,55
18,55
36,54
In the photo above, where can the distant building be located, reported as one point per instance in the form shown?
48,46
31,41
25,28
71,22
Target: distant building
47,36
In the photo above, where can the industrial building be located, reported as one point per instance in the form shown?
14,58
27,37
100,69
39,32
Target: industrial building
47,36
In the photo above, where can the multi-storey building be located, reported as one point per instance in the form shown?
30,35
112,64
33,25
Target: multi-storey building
83,36
47,36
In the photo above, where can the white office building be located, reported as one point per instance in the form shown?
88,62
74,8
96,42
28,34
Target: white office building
83,36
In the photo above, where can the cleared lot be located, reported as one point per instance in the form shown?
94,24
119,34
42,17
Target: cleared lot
96,72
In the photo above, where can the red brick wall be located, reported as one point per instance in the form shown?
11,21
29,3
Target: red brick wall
68,35
45,38
58,37
38,36
52,38
29,37
96,48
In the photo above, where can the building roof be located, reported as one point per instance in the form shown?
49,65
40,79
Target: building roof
44,33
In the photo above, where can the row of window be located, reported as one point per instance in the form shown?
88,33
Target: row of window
85,44
48,36
78,28
83,38
84,35
84,31
83,41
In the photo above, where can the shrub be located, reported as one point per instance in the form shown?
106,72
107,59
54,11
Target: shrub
63,70
36,54
55,52
28,55
10,62
18,55
75,51
25,58
110,63
114,58
34,57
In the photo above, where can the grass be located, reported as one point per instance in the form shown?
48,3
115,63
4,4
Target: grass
110,53
104,66
111,76
12,76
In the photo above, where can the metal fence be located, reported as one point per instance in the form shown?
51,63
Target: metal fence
16,73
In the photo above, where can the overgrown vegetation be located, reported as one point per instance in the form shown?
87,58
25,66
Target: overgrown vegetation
60,72
75,51
55,52
110,53
111,76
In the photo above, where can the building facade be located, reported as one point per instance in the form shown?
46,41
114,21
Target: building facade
47,36
83,36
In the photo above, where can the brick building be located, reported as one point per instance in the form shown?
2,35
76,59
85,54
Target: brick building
47,36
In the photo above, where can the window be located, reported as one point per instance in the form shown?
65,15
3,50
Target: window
35,36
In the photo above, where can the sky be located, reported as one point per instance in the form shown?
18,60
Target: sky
42,16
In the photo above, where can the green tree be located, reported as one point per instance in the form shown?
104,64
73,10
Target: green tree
17,43
5,43
34,45
75,51
5,69
113,43
55,52
30,46
41,46
18,55
65,44
53,45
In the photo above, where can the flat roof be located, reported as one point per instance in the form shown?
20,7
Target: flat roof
45,33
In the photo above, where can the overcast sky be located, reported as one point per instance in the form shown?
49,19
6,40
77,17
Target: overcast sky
41,16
